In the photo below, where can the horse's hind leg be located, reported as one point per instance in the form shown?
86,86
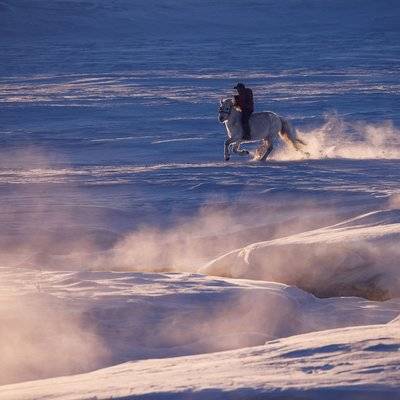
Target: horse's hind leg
264,150
267,153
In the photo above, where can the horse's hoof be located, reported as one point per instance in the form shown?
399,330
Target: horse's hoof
227,158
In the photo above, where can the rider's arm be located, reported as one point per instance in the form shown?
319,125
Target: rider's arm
236,101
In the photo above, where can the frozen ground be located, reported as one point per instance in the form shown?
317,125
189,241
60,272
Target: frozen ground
129,248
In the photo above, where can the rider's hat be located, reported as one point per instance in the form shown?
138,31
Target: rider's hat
239,86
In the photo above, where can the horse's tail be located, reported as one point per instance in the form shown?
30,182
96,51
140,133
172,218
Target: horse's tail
289,135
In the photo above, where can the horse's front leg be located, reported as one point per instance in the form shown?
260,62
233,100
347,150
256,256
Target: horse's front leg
236,149
227,143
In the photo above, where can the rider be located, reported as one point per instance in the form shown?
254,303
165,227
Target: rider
244,101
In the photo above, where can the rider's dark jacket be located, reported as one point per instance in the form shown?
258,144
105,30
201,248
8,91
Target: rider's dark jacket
245,100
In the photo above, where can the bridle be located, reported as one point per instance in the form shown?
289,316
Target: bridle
222,110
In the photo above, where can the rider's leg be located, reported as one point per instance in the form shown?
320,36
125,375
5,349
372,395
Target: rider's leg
246,114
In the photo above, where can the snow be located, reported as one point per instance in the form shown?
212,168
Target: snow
343,362
359,255
136,263
158,317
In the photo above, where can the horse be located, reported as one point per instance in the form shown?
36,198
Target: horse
264,126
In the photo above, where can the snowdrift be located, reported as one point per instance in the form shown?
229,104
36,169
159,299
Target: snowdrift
358,257
350,363
61,323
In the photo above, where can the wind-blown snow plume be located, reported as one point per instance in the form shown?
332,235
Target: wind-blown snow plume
358,257
354,257
40,337
66,238
191,242
47,224
337,138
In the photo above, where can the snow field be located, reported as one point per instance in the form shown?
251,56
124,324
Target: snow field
71,322
350,363
135,263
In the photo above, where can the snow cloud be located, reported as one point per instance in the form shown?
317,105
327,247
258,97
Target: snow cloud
40,338
337,138
214,230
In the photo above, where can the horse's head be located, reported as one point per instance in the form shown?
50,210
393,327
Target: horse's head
225,108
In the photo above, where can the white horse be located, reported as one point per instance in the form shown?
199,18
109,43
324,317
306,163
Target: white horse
264,126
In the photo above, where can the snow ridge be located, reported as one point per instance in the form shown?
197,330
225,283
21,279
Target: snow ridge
361,251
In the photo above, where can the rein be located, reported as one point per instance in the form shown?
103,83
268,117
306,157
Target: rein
222,111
